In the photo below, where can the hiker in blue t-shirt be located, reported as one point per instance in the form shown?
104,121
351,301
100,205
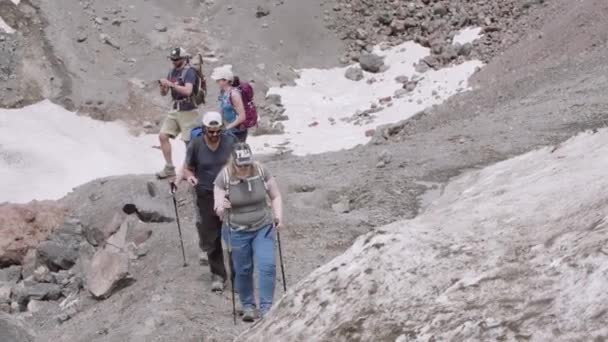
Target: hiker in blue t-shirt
231,102
181,82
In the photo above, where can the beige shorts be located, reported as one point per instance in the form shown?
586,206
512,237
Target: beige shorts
180,122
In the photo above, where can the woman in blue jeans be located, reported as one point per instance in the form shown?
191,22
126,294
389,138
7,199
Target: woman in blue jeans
243,187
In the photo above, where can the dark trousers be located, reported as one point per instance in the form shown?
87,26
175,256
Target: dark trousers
209,229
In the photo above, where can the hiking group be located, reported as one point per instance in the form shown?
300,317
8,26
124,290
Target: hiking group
237,198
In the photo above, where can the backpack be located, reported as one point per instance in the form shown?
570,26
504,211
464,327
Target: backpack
251,113
199,91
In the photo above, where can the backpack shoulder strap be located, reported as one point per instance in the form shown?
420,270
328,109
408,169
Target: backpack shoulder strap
227,180
261,173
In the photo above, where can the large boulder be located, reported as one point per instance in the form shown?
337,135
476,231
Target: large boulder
23,226
58,254
10,274
108,271
96,235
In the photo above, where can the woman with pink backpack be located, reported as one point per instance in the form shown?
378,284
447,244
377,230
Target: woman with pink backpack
236,102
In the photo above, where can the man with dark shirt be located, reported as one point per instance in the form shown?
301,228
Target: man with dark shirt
182,81
205,158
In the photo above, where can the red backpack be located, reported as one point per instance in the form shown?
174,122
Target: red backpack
251,113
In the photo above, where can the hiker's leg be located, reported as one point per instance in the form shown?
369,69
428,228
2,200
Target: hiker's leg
209,230
187,121
165,146
168,130
265,262
243,267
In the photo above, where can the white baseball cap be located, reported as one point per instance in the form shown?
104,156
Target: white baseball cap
222,73
212,119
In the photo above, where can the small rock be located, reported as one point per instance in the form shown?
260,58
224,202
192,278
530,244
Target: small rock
106,39
262,11
273,99
399,93
354,74
313,124
34,306
385,100
116,22
385,157
410,86
265,25
43,275
341,207
147,125
160,27
67,315
465,50
361,34
421,67
398,26
440,9
370,133
371,62
380,165
81,37
402,79
99,20
278,128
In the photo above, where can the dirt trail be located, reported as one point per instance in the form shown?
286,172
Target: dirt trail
543,90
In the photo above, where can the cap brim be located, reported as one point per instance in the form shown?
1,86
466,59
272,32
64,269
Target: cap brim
244,162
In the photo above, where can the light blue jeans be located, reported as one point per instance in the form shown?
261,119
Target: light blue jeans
249,248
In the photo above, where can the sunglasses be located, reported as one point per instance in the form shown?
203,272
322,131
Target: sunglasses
214,133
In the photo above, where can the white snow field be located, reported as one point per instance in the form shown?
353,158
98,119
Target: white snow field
45,151
321,98
516,251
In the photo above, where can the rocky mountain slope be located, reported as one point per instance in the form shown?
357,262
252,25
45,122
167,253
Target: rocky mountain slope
516,251
494,274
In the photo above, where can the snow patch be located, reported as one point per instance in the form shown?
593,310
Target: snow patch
467,35
4,27
46,150
16,2
323,99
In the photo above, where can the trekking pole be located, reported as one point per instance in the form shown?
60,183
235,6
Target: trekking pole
179,229
232,276
281,260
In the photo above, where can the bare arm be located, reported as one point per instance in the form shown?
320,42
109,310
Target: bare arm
237,102
219,195
185,90
276,200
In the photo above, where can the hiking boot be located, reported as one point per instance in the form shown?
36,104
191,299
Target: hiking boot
168,171
249,315
217,283
202,259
